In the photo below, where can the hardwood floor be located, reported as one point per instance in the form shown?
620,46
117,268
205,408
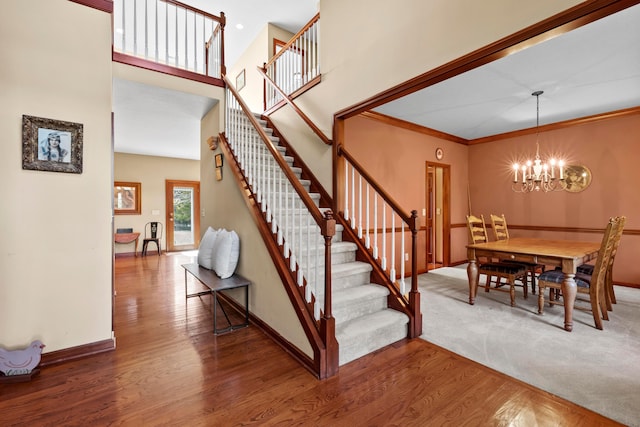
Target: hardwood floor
169,369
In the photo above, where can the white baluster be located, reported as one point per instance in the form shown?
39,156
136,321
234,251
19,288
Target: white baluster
166,32
176,47
375,226
346,190
124,28
280,211
157,56
359,206
392,270
299,245
367,240
186,40
135,27
353,197
146,28
317,49
403,290
384,235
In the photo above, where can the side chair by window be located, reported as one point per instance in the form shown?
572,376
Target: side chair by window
152,233
500,270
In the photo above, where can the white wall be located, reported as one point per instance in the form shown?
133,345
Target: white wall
55,263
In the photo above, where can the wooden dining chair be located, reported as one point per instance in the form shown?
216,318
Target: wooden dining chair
501,232
593,286
587,269
500,270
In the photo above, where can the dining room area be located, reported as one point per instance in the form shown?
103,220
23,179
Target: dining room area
546,311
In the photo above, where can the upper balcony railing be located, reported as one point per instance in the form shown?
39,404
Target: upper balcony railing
295,65
170,33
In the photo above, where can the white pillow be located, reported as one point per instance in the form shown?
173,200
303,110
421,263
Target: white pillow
226,251
205,251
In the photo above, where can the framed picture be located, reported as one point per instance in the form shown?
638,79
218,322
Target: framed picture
51,145
126,198
240,80
218,174
218,160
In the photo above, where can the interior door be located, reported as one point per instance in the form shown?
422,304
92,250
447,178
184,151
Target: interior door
438,215
183,215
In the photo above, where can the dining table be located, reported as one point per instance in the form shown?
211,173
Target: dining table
566,254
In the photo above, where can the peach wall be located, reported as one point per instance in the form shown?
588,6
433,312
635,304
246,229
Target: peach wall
397,158
609,148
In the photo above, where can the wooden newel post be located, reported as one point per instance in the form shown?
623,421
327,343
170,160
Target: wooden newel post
328,323
414,294
223,67
328,231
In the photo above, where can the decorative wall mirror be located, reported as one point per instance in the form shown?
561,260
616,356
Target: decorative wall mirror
126,198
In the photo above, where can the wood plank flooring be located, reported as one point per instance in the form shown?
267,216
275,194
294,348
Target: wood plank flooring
169,369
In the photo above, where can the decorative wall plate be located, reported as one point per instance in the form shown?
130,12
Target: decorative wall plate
439,153
577,178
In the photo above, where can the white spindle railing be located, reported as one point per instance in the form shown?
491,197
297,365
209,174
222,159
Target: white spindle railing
385,229
296,64
170,33
297,230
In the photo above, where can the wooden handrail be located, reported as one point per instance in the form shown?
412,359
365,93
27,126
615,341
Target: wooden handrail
196,11
301,113
293,40
313,209
303,312
409,219
326,348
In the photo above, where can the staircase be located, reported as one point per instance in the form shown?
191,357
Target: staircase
364,323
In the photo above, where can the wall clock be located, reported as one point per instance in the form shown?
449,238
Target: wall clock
439,153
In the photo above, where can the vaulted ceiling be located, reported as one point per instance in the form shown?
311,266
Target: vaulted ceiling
590,70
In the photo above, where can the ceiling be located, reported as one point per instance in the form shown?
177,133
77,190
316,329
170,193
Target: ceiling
590,70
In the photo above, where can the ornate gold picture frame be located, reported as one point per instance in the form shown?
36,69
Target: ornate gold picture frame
51,145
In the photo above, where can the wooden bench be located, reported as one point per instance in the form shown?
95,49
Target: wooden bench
215,284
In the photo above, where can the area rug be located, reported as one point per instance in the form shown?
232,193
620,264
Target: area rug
599,370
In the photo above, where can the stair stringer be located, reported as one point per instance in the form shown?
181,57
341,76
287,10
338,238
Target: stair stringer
322,362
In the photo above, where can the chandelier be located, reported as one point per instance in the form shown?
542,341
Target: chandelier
537,175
